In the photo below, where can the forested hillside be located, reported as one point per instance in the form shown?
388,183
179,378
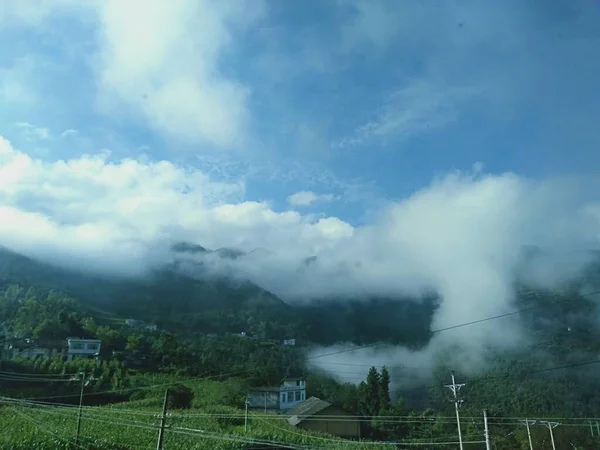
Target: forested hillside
173,298
553,375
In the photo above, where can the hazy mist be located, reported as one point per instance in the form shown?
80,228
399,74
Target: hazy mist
461,236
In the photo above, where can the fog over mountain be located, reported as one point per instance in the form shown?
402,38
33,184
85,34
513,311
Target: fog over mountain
460,237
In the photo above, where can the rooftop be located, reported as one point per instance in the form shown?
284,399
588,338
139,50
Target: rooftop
307,408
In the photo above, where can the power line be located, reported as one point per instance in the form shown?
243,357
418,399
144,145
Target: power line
440,330
497,377
524,374
44,375
194,432
152,386
41,427
509,420
531,372
33,379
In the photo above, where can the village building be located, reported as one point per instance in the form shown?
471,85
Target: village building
278,398
78,348
318,415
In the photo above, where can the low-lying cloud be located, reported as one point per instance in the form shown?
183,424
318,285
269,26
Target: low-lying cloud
461,236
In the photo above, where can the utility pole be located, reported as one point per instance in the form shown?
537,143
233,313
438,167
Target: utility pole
597,429
163,422
527,422
265,402
84,383
488,445
455,388
246,416
591,429
551,426
80,408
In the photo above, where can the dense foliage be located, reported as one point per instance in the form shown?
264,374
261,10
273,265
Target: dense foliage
198,337
183,296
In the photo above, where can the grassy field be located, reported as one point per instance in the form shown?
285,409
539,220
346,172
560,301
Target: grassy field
211,423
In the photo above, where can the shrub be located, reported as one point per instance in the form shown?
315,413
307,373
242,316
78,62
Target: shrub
180,397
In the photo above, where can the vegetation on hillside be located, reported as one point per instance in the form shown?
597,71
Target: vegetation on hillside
553,376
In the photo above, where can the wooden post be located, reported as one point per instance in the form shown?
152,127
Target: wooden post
79,411
488,446
163,423
246,416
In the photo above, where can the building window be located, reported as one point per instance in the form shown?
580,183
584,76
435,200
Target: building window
297,382
297,395
92,346
303,396
77,346
283,397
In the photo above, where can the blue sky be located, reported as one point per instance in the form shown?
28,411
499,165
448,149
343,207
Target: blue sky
365,100
317,110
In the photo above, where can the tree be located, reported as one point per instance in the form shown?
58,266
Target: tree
384,389
370,393
134,342
111,338
89,326
397,429
180,397
363,404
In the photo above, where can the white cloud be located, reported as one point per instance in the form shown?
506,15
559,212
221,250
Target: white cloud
68,133
459,59
307,198
34,13
162,61
33,133
157,62
419,107
459,236
91,206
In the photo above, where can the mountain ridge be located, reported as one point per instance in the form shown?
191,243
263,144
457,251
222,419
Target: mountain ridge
174,299
188,296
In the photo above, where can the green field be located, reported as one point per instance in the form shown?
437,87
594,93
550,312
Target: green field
208,424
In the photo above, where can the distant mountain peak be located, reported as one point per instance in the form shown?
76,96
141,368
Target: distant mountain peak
229,253
310,260
187,247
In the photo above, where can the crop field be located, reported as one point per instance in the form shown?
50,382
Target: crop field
29,425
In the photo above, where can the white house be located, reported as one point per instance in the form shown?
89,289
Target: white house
83,348
288,395
132,322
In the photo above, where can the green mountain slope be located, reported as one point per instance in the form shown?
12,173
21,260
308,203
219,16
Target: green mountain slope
167,297
184,296
171,298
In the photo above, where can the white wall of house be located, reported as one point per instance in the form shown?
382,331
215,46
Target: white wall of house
83,348
264,399
290,398
286,396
